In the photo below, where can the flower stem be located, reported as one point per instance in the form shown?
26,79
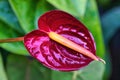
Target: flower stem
11,40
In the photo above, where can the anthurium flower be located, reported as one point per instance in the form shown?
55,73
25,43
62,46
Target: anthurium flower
61,43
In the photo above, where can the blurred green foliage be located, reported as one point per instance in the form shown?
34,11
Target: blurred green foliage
110,23
110,26
18,17
2,71
26,68
97,69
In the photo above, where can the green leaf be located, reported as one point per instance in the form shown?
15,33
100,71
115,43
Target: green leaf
25,12
8,17
9,28
42,7
28,13
7,32
56,75
75,7
94,71
2,71
25,68
92,22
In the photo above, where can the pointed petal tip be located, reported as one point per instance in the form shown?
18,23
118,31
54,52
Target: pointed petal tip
103,61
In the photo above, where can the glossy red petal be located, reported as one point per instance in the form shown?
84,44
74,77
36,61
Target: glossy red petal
52,54
54,20
62,22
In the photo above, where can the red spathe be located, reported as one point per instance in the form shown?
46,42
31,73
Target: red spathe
52,54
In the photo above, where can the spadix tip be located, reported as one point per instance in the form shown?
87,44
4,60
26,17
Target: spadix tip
103,61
